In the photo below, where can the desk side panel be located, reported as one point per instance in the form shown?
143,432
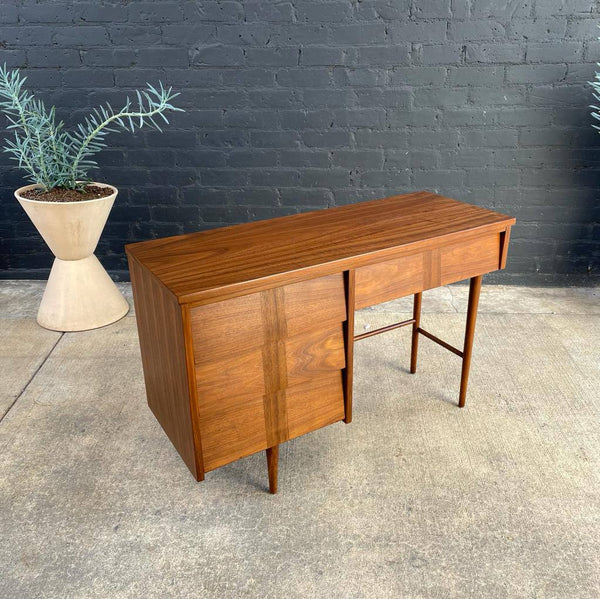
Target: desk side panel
162,345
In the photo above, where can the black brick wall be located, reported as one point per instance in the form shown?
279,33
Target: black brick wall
300,105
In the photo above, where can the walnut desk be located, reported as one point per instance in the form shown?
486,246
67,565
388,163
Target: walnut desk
247,332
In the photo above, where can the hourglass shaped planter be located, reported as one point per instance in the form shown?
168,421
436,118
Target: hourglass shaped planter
79,294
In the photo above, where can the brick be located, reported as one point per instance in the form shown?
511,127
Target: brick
322,56
48,12
188,34
88,78
420,117
318,158
327,139
490,138
467,117
359,77
390,178
360,117
392,98
8,13
306,119
475,75
80,35
275,177
274,139
51,57
252,158
427,9
217,55
495,53
268,11
155,12
384,55
554,52
383,9
486,96
470,31
325,177
358,34
248,119
483,9
109,57
444,54
303,77
102,13
441,97
560,7
279,98
245,34
417,31
358,159
272,56
553,28
324,11
545,73
224,139
123,35
163,57
26,35
306,197
224,177
380,139
418,76
327,98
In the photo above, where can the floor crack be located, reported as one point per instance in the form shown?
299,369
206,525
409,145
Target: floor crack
31,378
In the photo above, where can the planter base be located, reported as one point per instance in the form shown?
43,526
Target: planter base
80,296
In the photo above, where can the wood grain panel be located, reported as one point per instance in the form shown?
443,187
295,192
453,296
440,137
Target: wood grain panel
314,303
240,375
314,353
232,429
389,280
466,260
161,334
315,404
229,327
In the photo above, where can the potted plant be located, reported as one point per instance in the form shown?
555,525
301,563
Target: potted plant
67,208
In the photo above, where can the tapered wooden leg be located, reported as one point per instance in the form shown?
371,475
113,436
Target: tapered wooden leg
272,463
474,290
415,332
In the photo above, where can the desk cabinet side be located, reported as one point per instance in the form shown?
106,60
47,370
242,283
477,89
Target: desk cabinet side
162,345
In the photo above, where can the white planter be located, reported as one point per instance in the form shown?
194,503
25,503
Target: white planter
79,294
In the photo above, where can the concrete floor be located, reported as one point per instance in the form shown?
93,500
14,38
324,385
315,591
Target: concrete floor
414,499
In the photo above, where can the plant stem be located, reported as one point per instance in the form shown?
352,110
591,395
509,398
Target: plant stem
114,117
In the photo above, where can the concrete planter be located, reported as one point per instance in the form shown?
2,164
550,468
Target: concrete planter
79,294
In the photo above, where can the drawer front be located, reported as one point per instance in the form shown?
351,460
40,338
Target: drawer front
391,279
268,367
315,404
243,323
385,281
466,260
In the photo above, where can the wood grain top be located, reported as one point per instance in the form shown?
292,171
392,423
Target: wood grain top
230,261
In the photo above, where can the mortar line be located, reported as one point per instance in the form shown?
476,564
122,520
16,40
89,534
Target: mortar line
31,378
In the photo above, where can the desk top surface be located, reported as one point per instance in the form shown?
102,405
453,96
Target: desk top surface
233,260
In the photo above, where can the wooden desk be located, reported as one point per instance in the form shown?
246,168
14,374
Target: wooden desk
247,332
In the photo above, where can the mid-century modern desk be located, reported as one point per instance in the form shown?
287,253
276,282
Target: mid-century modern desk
247,332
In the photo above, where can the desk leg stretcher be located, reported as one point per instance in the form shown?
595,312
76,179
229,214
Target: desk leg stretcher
465,354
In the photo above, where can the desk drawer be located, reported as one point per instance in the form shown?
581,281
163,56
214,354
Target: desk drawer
469,259
243,323
391,279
